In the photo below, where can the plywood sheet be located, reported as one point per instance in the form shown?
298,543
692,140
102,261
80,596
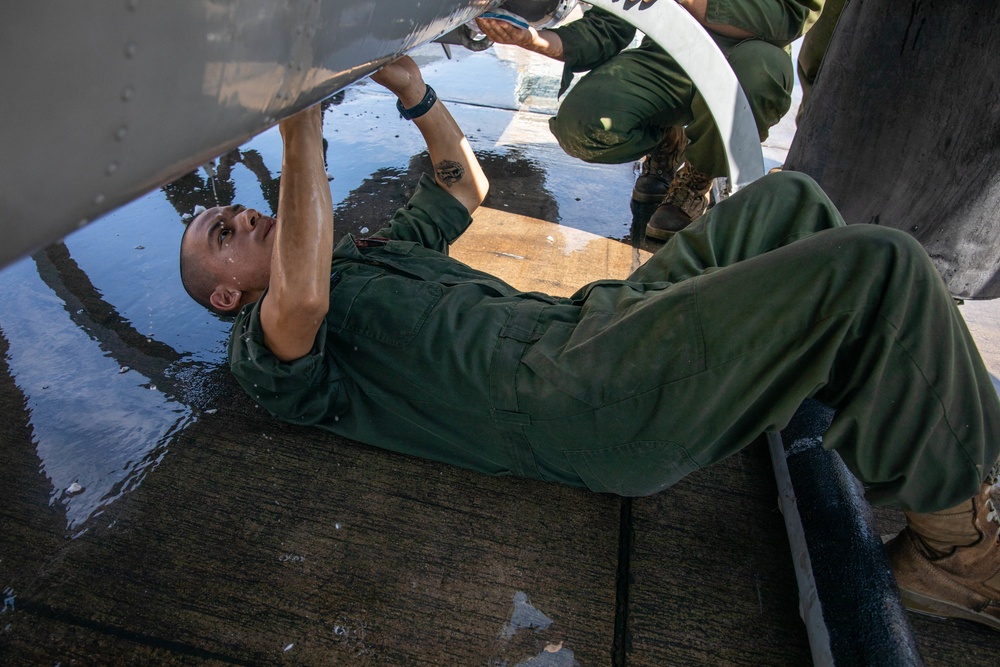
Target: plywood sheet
535,255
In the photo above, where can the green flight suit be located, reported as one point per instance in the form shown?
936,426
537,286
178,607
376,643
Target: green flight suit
629,385
618,111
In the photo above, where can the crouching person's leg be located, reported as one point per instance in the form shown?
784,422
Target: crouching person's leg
620,111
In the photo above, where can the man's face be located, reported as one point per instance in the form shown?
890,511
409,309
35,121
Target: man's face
232,245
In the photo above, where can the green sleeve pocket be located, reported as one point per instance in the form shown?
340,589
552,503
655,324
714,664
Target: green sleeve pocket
632,468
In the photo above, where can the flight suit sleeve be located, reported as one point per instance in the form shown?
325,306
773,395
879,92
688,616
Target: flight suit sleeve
591,40
308,390
431,218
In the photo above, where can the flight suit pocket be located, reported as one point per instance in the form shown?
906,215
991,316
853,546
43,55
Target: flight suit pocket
632,468
384,307
627,341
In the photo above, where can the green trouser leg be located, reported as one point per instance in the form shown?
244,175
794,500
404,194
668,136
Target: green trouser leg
618,111
856,317
813,50
771,213
767,78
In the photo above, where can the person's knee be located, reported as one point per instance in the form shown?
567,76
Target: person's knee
584,133
896,240
792,186
796,180
892,251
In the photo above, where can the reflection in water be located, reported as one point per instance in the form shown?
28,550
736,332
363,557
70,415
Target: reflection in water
93,425
218,186
518,186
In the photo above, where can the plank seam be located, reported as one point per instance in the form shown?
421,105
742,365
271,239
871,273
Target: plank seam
621,644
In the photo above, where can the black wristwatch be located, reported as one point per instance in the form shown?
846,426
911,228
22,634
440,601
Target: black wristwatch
423,106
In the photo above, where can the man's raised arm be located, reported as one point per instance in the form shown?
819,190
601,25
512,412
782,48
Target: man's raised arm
456,168
298,295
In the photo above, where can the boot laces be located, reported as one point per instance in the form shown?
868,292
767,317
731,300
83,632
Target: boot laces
688,188
666,157
991,483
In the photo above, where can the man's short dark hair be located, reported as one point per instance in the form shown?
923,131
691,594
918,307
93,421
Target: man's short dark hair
196,283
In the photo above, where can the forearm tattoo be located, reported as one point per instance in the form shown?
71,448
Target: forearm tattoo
449,172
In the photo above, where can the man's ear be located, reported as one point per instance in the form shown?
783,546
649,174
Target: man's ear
225,300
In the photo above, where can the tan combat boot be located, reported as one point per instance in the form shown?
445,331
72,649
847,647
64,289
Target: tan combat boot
659,166
948,563
685,201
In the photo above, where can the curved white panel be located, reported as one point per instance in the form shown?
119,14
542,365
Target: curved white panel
677,33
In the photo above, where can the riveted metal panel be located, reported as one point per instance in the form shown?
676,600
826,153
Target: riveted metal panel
106,100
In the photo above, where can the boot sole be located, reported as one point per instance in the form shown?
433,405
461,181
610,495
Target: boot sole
659,234
929,606
646,198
